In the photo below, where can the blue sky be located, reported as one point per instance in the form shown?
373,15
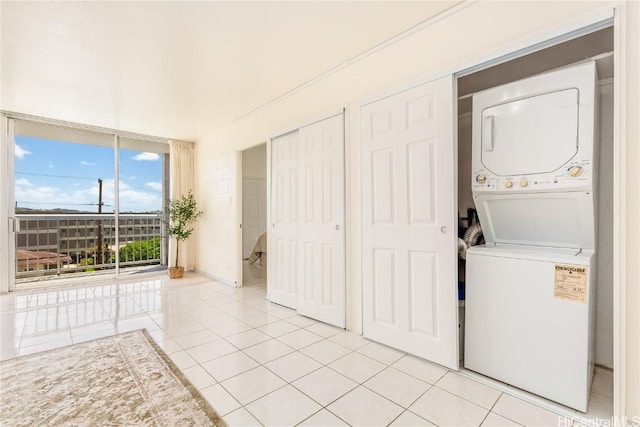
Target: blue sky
53,174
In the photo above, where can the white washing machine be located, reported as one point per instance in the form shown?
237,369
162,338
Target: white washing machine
529,319
530,289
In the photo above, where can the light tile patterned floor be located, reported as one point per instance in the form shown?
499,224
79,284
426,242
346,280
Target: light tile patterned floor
261,364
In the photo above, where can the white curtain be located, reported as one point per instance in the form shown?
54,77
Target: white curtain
181,165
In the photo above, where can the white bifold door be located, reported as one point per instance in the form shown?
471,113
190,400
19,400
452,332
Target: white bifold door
307,243
409,229
282,238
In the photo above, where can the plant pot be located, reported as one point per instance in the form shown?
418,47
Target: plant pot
176,272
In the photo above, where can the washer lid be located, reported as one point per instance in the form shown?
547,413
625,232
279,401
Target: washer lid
531,135
534,253
560,220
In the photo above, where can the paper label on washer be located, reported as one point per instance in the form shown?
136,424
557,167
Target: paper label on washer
570,282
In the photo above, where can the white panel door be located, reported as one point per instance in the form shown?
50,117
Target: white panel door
254,215
282,268
409,257
321,294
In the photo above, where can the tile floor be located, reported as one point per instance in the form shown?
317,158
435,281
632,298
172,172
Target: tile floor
261,364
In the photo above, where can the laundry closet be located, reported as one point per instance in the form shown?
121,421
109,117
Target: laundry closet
531,288
535,192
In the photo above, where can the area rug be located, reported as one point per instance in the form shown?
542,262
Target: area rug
122,380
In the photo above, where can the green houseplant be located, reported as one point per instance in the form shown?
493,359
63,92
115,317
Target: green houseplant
180,216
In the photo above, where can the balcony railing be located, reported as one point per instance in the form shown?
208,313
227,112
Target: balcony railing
52,245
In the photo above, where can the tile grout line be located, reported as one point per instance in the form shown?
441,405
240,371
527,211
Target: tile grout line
491,410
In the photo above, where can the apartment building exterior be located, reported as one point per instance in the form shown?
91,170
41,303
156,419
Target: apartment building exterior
49,242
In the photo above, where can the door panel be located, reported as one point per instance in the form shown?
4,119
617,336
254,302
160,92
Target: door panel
321,228
383,190
384,287
409,231
422,269
283,238
420,170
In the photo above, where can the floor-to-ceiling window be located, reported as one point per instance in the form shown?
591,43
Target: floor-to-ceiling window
84,202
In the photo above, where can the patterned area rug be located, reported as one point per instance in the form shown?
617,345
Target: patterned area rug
123,380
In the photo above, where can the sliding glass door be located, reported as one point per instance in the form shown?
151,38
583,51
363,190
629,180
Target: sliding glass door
142,189
83,204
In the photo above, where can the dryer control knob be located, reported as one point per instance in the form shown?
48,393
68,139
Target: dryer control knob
524,183
575,171
508,184
481,178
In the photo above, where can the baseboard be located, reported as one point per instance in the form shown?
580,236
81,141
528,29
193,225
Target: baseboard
229,282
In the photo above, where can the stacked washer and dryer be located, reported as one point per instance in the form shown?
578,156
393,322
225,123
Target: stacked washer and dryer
530,289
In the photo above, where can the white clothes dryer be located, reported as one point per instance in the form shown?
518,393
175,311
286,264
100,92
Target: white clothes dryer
534,159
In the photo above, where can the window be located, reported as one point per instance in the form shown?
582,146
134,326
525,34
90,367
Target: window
84,182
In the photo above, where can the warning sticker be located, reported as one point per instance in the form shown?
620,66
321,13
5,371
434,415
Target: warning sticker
570,282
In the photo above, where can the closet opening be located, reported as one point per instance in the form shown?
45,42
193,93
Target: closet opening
477,222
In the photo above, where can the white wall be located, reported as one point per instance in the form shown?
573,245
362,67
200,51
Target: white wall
218,241
254,162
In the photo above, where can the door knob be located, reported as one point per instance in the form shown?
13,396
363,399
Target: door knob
337,226
444,229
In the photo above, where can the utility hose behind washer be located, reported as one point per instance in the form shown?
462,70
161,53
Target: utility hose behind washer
471,237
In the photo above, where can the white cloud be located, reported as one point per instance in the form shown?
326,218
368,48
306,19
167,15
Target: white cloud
50,164
132,200
86,198
23,182
33,195
147,156
85,163
154,185
21,152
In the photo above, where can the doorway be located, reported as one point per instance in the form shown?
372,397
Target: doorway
254,216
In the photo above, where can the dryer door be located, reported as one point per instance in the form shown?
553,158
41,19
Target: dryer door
532,135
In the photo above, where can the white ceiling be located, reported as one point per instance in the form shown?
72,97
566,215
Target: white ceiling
180,69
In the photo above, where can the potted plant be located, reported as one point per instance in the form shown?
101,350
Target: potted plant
180,216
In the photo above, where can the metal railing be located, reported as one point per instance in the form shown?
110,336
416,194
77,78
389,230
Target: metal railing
52,245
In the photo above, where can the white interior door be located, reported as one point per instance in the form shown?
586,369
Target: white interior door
254,215
409,257
282,268
321,229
